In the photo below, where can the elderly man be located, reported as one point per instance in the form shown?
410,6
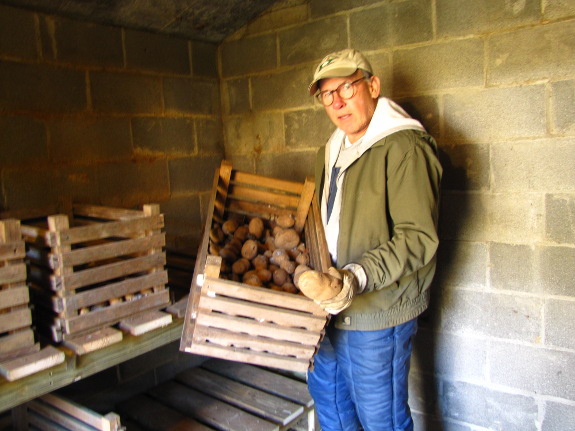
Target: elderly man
378,181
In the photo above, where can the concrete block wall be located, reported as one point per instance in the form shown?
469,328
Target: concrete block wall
494,82
104,115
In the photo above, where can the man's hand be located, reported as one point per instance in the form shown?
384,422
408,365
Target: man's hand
349,288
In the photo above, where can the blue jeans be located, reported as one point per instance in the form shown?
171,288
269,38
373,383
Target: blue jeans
359,381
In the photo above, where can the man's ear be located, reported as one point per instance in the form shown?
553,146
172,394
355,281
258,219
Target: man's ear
374,87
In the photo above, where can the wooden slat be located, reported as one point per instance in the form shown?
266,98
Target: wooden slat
14,297
272,183
265,380
97,231
114,313
16,319
30,364
94,341
107,251
101,294
156,416
23,340
304,203
222,337
262,313
12,273
141,323
280,200
106,212
271,407
213,412
12,250
111,271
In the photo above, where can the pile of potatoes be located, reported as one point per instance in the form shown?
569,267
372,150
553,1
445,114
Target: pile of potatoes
260,252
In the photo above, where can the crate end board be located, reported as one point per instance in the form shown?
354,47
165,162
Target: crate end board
33,363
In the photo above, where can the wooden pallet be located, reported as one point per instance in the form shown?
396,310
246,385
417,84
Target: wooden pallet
20,355
94,268
52,412
232,320
222,395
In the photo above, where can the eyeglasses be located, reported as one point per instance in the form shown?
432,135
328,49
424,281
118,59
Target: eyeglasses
345,91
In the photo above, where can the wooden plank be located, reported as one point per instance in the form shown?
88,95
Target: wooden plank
37,422
23,339
262,296
108,213
304,203
265,380
110,315
16,319
94,341
315,239
144,322
156,416
269,197
213,412
272,183
258,329
101,294
13,273
111,271
271,407
30,364
251,357
44,417
262,313
97,231
178,309
221,188
12,250
223,337
114,249
256,209
14,297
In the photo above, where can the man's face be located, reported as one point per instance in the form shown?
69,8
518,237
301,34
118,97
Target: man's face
352,115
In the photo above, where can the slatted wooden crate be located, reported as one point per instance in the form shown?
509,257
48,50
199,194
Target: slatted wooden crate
20,355
94,269
53,412
232,320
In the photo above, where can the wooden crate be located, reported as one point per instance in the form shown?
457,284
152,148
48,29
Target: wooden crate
95,268
232,320
20,355
53,412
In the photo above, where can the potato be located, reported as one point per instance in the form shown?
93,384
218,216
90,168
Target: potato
279,256
242,232
256,227
265,275
286,239
250,249
288,266
319,286
241,266
260,262
280,276
229,226
286,221
299,270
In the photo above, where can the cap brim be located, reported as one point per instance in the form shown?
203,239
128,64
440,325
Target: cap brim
337,71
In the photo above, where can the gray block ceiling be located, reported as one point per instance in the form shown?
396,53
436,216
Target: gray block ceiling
200,20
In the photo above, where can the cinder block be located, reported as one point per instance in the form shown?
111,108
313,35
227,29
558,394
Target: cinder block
204,59
23,140
156,52
210,136
538,165
309,42
563,107
253,135
512,267
560,323
489,408
182,214
81,43
542,52
126,184
147,362
560,218
192,174
17,33
164,135
425,109
293,166
492,114
492,314
465,167
391,25
484,16
90,140
41,88
237,96
424,392
237,56
557,271
541,371
310,128
558,417
461,264
185,95
321,7
556,9
125,93
284,90
451,64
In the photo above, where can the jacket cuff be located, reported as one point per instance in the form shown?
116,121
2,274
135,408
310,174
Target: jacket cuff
359,273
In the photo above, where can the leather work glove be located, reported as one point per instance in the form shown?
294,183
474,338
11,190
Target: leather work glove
349,288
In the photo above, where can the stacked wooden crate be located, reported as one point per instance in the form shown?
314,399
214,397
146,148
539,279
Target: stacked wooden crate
94,269
20,355
233,320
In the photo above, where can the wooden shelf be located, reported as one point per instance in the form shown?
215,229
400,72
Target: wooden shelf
76,367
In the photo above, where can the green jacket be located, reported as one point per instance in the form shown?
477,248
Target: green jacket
388,225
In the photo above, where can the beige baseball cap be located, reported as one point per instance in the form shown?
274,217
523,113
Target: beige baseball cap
339,64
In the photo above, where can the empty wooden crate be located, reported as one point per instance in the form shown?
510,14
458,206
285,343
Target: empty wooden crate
231,319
